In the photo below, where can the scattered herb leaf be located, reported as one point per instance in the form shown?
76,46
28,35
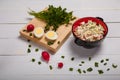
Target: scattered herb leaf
39,62
29,45
84,71
114,66
50,67
63,57
108,69
96,64
107,59
105,64
33,59
72,59
82,62
50,43
89,69
100,71
102,61
79,71
28,51
89,58
30,34
36,50
70,69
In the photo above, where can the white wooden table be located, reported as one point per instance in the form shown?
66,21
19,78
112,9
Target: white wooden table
15,62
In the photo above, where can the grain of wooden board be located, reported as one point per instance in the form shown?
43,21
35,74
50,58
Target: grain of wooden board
63,33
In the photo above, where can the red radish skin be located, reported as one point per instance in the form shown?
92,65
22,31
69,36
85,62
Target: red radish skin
45,56
60,65
30,27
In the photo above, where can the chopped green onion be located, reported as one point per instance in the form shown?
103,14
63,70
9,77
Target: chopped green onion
105,64
28,51
63,57
50,43
96,64
30,34
82,62
114,66
108,69
29,45
79,71
84,71
70,69
39,62
89,58
102,61
100,71
36,49
72,59
33,59
89,69
50,67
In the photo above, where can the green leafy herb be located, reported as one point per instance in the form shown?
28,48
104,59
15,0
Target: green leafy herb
70,69
89,69
79,71
102,61
50,42
53,16
33,59
84,71
29,45
89,58
63,57
108,69
107,59
100,71
28,51
114,66
96,64
36,49
30,34
50,67
72,59
82,62
39,62
105,64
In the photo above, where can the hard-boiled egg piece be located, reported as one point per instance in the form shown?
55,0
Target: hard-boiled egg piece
38,32
51,35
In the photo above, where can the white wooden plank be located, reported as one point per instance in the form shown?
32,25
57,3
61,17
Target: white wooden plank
21,16
16,11
21,66
18,46
79,4
12,30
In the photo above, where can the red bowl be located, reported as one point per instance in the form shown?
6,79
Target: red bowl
88,44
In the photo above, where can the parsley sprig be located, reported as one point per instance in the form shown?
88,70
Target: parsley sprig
53,16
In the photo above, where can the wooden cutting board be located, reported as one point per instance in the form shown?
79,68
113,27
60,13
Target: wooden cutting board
63,33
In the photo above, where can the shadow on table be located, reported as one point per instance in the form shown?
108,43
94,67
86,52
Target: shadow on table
83,52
